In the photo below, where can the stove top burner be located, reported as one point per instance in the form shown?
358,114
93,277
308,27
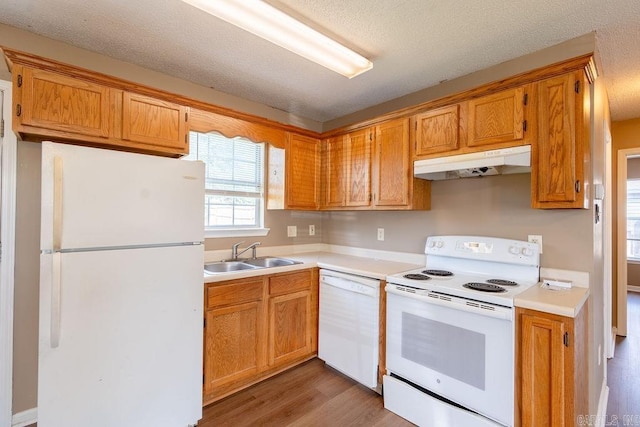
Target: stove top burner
439,273
502,282
484,287
416,276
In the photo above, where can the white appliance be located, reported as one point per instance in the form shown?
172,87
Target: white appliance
348,325
121,299
492,162
450,331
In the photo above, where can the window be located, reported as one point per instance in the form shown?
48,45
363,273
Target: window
633,219
234,191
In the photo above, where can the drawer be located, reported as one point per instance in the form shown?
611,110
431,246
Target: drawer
240,291
290,282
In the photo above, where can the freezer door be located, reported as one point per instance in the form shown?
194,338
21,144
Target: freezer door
129,351
104,198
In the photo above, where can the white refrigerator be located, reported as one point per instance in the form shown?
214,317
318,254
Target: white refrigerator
121,289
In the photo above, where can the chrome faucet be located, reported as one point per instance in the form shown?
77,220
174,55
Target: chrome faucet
235,253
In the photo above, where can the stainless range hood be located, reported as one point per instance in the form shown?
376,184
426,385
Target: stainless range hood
493,162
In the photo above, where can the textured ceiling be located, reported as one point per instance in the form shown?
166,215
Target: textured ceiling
414,44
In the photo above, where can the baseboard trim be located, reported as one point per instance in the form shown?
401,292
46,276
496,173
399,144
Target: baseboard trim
632,288
25,418
602,405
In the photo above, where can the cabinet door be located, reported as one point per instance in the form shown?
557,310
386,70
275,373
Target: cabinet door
542,371
561,155
437,131
155,123
290,327
302,172
497,118
232,345
358,165
334,172
392,170
56,102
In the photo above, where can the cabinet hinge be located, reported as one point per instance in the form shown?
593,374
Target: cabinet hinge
369,196
565,339
1,128
202,379
186,117
524,126
204,323
577,86
577,186
19,82
525,99
185,139
18,110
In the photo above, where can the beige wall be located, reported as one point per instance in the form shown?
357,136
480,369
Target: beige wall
633,167
27,261
633,274
492,206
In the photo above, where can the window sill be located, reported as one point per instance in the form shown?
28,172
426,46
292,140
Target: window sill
633,261
237,232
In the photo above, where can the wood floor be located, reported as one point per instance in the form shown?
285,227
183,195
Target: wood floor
623,371
311,394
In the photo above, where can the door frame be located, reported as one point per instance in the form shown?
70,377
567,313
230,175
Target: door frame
621,262
7,237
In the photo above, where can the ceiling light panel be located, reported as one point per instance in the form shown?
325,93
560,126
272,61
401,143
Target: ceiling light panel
271,24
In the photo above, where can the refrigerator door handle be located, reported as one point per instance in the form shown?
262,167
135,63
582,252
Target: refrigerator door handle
57,203
56,292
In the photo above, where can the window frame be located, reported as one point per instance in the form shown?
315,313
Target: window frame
631,259
237,230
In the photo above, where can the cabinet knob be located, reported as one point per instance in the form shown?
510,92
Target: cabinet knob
577,186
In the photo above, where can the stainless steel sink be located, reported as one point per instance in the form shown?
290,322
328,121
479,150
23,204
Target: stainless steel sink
247,264
267,262
227,266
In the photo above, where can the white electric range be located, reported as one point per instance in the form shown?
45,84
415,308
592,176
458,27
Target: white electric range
450,331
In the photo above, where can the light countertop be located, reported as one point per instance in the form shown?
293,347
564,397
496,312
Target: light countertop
362,266
565,302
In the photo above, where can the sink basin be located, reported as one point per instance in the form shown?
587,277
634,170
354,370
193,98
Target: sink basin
267,262
226,266
247,264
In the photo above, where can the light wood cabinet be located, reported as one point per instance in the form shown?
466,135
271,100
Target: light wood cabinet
374,170
155,123
257,327
560,158
68,108
551,354
394,186
438,130
55,102
498,118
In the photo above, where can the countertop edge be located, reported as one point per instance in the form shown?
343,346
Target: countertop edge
566,303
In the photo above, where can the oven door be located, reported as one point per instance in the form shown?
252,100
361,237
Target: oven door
454,350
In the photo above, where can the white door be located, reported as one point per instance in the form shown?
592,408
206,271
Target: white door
121,338
7,241
109,198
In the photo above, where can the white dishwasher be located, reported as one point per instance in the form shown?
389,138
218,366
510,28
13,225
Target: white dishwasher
348,325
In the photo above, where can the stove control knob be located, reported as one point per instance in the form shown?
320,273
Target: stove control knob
439,244
514,250
431,244
527,252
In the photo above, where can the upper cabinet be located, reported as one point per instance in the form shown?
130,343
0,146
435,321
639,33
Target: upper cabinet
438,131
293,176
498,120
154,123
55,102
50,105
560,158
372,169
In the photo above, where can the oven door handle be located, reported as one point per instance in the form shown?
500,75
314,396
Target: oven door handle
455,303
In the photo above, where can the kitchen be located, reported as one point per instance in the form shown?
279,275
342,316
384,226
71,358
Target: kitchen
502,204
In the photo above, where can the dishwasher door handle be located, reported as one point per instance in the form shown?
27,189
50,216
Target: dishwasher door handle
349,285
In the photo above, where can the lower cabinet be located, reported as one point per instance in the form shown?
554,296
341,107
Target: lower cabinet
552,375
257,327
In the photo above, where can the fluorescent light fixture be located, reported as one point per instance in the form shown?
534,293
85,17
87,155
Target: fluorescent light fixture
271,24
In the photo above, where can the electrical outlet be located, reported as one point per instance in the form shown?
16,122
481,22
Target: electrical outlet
380,233
312,230
292,231
536,238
